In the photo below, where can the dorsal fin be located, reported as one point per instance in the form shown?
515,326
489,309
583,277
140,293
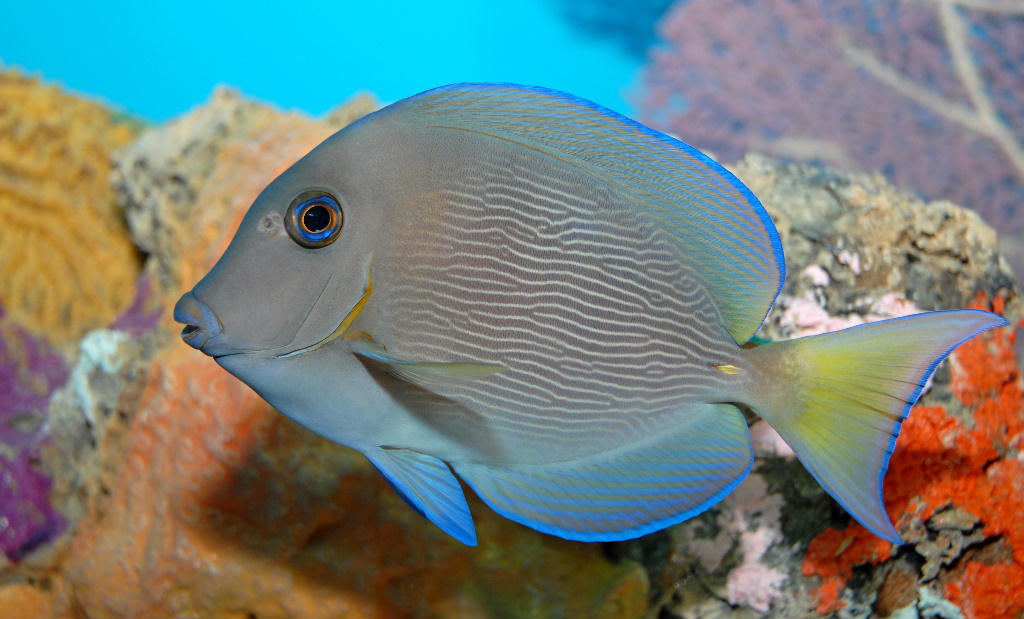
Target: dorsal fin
719,226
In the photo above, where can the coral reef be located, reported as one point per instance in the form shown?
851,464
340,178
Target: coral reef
67,263
857,245
186,495
176,473
30,369
858,250
26,517
927,92
144,312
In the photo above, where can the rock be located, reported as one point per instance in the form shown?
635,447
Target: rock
869,240
217,504
857,250
185,185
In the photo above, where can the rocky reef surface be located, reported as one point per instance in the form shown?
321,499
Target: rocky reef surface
138,479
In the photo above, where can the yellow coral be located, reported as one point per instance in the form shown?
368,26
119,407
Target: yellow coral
67,263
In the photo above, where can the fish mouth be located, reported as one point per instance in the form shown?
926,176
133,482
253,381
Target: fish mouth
203,329
201,323
345,323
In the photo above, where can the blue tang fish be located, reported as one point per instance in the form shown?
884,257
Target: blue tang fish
529,291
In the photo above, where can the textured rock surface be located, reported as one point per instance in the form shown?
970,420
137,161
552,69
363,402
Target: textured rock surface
188,496
184,186
871,240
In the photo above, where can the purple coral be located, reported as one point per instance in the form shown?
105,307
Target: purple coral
26,517
29,372
929,93
140,316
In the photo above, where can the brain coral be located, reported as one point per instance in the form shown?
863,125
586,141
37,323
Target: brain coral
67,263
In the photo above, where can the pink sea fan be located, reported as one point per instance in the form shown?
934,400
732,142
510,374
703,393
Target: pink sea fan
927,92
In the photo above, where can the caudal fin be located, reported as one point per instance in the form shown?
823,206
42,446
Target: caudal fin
840,398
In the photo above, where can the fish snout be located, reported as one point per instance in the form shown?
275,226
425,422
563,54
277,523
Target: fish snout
201,323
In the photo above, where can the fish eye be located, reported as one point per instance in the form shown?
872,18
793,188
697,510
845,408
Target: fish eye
314,219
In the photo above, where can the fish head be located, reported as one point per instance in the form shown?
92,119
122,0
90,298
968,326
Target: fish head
296,267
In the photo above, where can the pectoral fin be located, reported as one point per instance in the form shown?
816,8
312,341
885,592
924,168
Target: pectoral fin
429,487
420,371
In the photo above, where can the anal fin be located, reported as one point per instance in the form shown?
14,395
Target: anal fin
629,491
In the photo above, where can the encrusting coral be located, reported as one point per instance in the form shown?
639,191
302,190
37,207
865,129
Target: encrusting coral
67,262
30,370
940,464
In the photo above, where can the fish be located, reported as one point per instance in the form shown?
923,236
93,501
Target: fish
519,288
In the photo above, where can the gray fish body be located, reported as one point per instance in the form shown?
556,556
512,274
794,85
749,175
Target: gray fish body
494,255
548,299
517,259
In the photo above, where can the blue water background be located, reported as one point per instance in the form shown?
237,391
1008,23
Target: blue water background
158,60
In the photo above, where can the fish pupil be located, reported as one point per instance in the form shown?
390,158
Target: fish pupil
316,218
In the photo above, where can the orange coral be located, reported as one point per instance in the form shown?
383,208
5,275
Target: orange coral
67,263
939,462
989,591
832,555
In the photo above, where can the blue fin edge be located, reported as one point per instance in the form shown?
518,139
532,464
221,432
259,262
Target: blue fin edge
766,220
894,536
630,533
467,533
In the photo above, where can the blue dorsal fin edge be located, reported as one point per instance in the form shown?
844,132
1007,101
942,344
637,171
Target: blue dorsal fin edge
741,321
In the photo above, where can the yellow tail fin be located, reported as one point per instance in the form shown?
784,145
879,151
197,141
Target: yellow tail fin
839,399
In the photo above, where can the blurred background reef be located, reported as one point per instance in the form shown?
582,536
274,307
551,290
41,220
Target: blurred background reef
137,479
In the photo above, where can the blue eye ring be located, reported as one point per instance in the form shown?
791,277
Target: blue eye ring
314,219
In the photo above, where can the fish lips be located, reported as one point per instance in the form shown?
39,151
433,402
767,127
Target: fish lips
203,329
